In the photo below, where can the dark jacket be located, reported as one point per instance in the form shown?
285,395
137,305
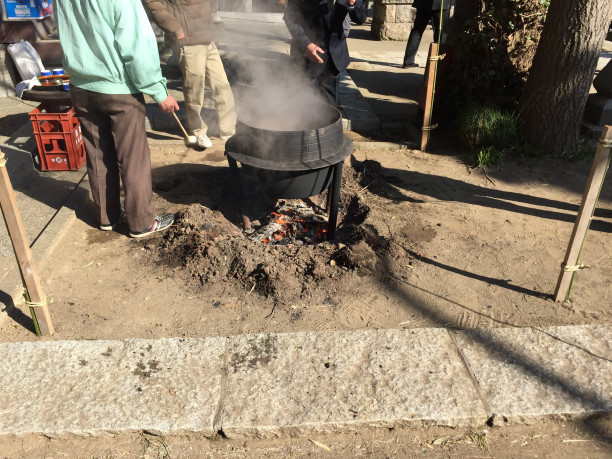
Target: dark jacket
192,17
313,21
431,4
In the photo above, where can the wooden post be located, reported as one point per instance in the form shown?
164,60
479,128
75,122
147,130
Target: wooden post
34,295
585,214
432,62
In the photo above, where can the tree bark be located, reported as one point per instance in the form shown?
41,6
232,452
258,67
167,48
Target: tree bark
560,77
464,11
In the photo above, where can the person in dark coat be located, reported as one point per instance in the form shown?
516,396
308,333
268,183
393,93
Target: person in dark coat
426,10
318,39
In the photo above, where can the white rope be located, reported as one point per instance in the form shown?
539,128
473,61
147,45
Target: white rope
572,269
606,143
36,304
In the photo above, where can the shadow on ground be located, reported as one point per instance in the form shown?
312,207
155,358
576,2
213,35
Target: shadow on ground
387,181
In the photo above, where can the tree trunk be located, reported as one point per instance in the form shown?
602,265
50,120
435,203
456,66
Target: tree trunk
464,10
560,77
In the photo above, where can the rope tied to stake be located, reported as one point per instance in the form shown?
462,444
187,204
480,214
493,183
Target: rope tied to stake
2,159
572,269
606,143
36,304
438,57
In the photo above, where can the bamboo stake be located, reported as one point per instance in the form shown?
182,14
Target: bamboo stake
585,215
432,59
34,296
432,63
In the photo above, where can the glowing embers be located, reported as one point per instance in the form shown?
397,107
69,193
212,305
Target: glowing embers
293,222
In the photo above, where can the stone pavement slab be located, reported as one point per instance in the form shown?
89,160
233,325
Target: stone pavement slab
525,373
302,383
313,382
90,387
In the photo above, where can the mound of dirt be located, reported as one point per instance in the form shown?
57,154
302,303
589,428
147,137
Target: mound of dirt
208,248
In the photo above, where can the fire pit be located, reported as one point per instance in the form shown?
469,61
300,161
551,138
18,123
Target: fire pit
289,163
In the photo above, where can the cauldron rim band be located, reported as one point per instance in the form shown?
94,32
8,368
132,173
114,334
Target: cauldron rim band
343,153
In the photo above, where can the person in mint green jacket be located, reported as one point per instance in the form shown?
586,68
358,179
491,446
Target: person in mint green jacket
111,56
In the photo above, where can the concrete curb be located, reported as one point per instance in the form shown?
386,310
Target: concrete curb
305,383
366,146
357,115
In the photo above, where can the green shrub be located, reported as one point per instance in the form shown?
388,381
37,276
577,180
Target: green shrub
487,157
488,126
490,134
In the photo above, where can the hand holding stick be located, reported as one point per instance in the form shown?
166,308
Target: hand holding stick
189,140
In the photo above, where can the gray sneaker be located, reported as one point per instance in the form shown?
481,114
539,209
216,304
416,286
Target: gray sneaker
160,223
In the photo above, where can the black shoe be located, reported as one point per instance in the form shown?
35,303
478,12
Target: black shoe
160,223
407,66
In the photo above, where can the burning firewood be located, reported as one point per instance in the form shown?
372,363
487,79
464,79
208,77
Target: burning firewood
292,222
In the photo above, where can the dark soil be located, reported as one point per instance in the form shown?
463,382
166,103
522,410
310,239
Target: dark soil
211,249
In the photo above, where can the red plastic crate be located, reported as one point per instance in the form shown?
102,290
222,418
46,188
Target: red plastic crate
59,140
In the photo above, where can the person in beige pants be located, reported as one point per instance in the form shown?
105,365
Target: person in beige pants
188,28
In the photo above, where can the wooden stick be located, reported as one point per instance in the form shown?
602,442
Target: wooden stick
179,122
432,63
33,291
585,214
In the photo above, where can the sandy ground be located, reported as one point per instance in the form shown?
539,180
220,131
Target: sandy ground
541,440
447,246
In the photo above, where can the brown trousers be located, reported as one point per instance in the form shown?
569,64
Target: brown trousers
113,127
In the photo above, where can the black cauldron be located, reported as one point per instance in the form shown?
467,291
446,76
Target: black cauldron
290,163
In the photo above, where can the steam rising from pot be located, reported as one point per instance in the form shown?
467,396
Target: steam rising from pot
272,93
281,103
